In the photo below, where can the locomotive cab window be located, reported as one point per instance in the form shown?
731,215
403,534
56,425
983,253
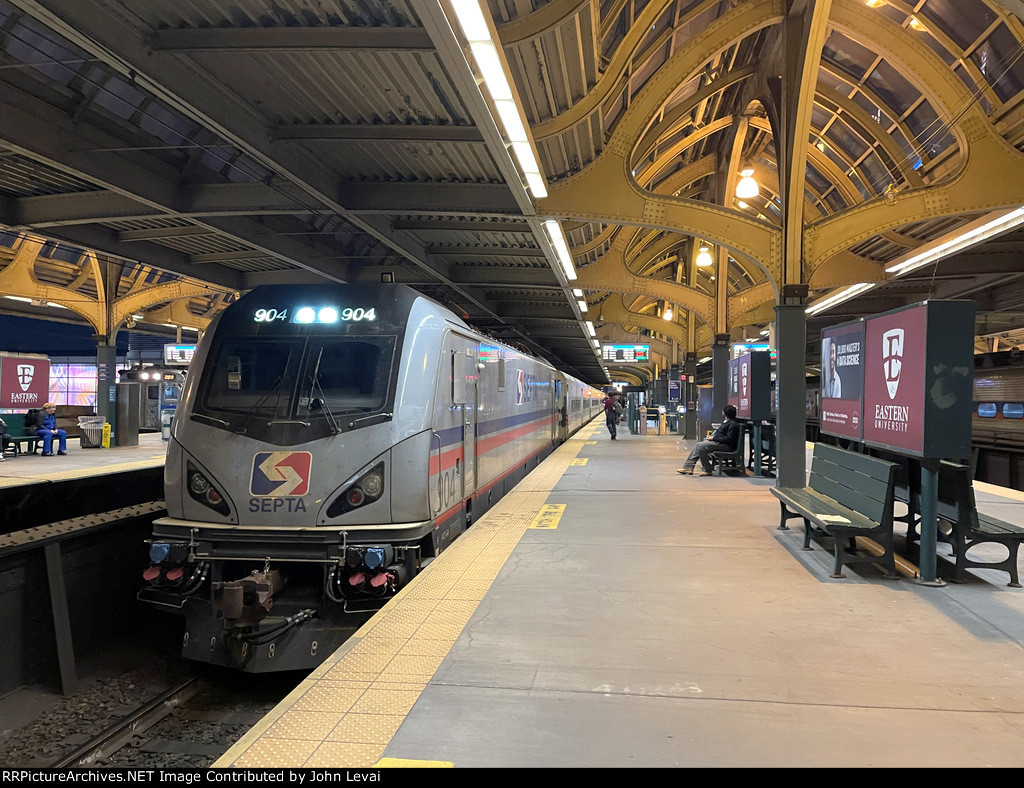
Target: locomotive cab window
348,375
1013,410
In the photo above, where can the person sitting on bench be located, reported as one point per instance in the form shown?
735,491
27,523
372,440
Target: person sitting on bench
725,438
46,429
5,440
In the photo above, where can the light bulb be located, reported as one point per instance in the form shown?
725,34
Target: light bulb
747,187
704,259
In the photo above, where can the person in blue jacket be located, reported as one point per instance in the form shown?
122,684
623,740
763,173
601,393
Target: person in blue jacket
46,429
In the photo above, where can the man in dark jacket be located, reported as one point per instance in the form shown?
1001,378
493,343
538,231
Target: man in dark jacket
725,438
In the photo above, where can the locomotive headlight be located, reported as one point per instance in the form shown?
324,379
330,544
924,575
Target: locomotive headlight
202,490
373,483
305,315
366,489
328,315
197,483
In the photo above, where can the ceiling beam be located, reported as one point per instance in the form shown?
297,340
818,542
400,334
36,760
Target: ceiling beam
484,251
373,132
292,39
469,225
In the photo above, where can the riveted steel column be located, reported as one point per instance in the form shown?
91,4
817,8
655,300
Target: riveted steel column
719,375
790,377
690,396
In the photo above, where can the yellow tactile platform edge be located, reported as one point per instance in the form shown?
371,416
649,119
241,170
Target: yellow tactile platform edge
346,712
45,475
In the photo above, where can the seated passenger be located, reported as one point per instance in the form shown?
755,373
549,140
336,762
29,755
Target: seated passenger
46,429
5,440
726,438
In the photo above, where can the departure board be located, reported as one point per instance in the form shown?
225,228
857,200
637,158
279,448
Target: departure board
627,354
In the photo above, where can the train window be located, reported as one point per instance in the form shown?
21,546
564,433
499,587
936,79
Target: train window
253,375
351,374
501,374
987,410
1013,410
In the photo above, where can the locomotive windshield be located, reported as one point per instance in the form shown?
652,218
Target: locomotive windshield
254,383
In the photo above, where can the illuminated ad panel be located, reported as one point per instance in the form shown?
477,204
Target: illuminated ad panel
842,380
750,382
24,382
626,354
918,379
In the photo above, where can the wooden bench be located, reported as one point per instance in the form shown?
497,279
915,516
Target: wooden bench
848,495
21,434
731,460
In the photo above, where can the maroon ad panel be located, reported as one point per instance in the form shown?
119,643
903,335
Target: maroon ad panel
24,382
894,379
842,380
734,383
743,387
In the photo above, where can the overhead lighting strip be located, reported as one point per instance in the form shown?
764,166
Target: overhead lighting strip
975,235
488,62
837,298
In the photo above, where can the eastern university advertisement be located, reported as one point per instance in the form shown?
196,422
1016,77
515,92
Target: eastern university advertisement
842,380
24,382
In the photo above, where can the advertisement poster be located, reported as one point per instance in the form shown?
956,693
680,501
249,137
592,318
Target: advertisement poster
894,379
734,383
842,380
743,387
24,382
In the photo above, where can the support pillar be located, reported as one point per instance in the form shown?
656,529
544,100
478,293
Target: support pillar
690,396
790,377
720,375
106,380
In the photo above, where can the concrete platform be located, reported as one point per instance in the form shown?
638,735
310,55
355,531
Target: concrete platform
661,620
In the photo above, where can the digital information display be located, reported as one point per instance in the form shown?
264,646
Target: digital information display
179,354
315,314
628,354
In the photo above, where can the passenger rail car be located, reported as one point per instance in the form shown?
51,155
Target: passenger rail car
331,441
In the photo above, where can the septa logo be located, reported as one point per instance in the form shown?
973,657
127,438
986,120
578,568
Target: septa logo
276,474
892,359
25,374
520,387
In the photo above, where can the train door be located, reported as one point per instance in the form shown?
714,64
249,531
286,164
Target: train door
558,410
465,395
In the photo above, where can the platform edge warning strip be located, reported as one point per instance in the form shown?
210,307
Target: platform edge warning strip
348,709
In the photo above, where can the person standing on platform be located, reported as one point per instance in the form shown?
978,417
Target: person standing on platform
725,438
46,429
612,409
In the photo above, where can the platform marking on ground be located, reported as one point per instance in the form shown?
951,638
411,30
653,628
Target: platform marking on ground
548,516
580,461
590,443
403,763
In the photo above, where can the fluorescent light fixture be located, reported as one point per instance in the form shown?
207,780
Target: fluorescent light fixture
577,292
525,155
765,332
839,297
510,120
582,305
170,325
139,317
471,20
591,329
538,188
704,360
20,298
561,248
597,342
973,236
59,306
486,57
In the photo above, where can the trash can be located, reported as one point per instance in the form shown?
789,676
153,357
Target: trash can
166,420
92,431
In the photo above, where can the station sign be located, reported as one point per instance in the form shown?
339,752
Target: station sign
24,381
179,354
628,354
